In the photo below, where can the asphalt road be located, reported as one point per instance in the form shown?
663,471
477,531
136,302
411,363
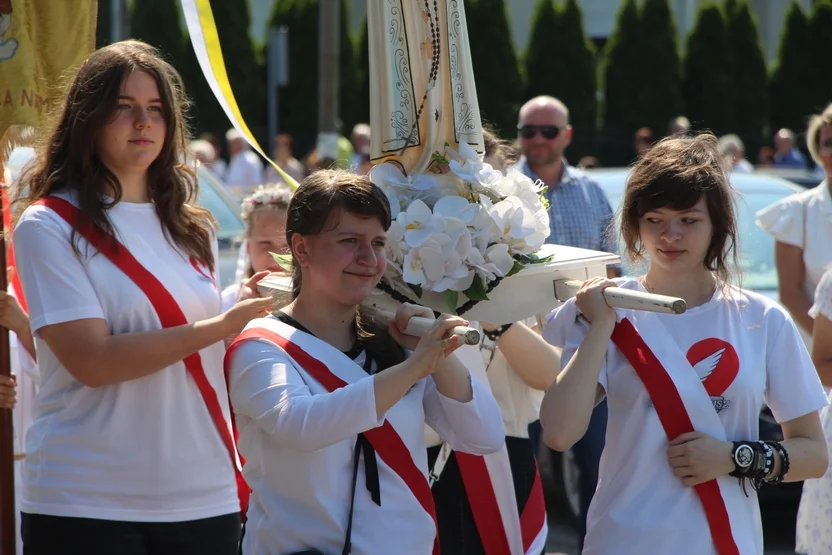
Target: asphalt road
778,528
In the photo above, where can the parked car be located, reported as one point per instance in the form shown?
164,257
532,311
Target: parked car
758,272
212,196
805,178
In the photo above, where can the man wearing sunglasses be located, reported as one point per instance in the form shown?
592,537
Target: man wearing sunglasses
579,216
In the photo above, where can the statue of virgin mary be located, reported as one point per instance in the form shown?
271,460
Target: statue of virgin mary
422,91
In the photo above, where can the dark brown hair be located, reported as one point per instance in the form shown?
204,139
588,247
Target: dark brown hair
321,198
675,174
67,161
498,148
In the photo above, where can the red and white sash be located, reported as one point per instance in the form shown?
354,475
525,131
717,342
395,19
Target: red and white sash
683,405
385,439
489,486
167,309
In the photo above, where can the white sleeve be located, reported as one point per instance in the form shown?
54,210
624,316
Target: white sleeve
783,220
793,387
474,427
823,297
55,281
229,296
566,328
265,386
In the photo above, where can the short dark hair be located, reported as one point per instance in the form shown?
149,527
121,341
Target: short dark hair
676,173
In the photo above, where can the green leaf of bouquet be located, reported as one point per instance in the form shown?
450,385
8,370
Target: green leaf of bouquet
283,260
515,269
451,299
478,290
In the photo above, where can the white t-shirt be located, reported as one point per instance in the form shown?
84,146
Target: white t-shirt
230,295
141,450
640,506
298,440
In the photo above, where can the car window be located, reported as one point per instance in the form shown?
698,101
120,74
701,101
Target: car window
755,247
225,210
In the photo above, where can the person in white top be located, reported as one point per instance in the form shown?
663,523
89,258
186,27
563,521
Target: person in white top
25,377
814,527
245,169
801,225
331,404
495,503
130,448
264,213
682,457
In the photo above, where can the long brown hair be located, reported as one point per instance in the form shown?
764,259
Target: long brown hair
675,173
319,199
68,161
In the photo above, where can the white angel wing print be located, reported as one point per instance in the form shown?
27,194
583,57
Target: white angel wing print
705,366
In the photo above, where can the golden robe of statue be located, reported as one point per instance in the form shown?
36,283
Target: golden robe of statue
422,91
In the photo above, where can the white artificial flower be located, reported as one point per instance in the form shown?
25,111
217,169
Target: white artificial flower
457,207
389,175
513,218
419,223
466,163
497,262
424,265
395,247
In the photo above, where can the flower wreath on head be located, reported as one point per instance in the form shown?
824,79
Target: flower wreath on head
461,228
276,194
265,195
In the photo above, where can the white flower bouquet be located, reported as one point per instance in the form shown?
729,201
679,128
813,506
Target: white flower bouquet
461,228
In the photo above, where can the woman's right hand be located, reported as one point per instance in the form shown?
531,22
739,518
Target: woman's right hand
436,345
590,301
236,317
8,391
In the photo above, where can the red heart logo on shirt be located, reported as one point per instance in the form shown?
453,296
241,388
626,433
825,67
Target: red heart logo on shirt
716,362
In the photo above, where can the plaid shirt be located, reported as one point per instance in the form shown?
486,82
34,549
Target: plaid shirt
579,212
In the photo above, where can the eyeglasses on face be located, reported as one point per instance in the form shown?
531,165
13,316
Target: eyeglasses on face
529,131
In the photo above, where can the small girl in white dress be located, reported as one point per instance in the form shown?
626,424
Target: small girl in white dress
814,526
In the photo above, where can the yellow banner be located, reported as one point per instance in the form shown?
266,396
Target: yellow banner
203,32
39,41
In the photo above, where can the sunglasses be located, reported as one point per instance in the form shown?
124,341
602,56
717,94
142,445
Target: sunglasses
548,131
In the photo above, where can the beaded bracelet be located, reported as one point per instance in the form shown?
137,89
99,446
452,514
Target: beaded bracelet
784,462
758,480
493,335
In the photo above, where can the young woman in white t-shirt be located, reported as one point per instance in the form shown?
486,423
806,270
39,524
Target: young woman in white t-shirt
331,407
264,213
130,449
682,460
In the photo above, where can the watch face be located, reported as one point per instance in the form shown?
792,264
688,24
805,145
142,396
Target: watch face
744,456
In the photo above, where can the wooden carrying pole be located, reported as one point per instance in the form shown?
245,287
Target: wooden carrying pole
8,525
625,298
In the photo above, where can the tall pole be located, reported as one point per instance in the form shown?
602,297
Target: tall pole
8,524
329,50
115,20
277,75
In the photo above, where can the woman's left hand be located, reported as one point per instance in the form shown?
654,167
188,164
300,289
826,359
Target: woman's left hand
697,458
403,315
248,290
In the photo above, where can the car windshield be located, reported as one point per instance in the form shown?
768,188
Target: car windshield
755,247
224,209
